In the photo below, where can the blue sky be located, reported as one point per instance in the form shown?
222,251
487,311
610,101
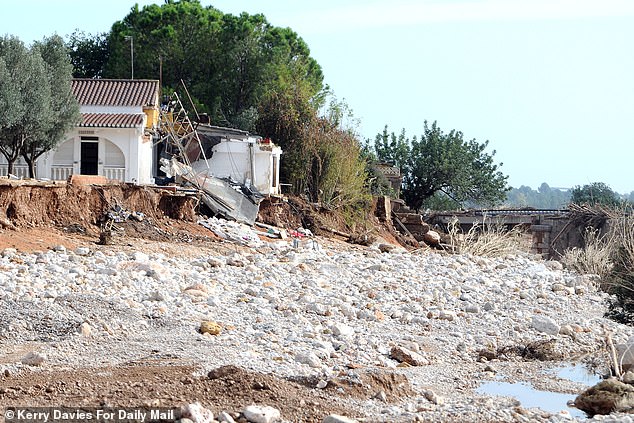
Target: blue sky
550,83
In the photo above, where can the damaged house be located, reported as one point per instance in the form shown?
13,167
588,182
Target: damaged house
118,138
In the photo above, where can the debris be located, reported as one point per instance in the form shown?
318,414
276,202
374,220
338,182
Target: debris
220,195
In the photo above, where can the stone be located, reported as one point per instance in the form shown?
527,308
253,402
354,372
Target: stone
553,265
404,355
82,251
431,238
472,308
606,397
33,359
335,418
557,287
566,330
387,248
59,248
321,384
85,329
210,327
196,413
545,324
261,414
432,397
446,315
309,358
628,377
215,262
341,329
224,417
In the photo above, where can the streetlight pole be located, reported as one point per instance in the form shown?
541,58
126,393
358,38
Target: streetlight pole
131,39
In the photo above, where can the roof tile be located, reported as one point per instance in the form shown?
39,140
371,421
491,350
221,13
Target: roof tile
116,92
111,120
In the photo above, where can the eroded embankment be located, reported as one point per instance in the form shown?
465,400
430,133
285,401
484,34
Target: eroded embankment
64,204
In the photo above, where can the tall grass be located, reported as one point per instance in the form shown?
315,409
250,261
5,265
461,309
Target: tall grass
491,239
595,257
610,256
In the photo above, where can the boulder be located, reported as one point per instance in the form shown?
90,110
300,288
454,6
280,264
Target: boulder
606,397
432,238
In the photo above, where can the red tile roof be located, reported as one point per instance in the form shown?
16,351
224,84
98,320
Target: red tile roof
116,92
111,120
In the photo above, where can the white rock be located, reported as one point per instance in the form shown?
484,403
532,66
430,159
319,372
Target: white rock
140,257
33,359
224,417
85,329
545,325
341,329
335,418
197,413
82,251
261,414
309,358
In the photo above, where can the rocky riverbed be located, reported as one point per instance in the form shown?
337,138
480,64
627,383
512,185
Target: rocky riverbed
372,333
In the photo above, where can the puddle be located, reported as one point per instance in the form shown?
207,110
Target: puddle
577,373
529,397
552,402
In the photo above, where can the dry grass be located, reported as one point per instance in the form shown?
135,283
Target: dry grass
595,258
485,239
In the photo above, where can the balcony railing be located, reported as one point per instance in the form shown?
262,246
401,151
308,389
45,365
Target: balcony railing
61,173
114,173
21,171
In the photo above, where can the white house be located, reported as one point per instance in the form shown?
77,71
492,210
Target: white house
113,138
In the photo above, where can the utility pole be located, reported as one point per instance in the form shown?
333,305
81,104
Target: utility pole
131,39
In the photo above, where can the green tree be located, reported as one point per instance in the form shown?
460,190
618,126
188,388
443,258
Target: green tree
445,163
27,97
595,193
230,64
392,149
88,54
63,108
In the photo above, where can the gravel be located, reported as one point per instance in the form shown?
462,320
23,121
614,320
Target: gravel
316,310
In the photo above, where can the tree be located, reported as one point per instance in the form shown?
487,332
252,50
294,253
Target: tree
230,64
88,54
446,165
392,149
27,98
63,111
595,193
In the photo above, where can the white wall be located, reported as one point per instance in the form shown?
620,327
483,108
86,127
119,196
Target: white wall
232,159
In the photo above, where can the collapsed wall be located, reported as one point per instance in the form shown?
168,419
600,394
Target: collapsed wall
62,204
